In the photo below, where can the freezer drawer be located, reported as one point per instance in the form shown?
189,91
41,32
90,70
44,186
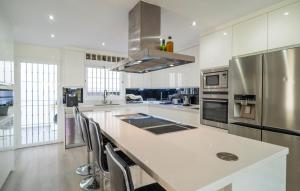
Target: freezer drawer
293,159
245,131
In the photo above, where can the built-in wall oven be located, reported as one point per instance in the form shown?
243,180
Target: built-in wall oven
214,97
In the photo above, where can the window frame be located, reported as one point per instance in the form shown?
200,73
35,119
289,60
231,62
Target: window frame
7,70
108,81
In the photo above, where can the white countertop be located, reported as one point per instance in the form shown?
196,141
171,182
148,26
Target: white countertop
172,106
186,160
151,104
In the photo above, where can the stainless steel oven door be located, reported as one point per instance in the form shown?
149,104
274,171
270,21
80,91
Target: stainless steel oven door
215,80
214,112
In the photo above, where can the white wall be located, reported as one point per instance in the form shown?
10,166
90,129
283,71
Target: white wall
7,160
71,72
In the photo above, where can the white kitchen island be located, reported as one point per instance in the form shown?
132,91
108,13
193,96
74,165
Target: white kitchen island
187,161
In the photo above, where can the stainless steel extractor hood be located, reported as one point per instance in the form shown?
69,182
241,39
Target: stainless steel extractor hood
144,41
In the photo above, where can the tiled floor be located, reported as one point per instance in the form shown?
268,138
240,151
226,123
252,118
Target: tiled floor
52,168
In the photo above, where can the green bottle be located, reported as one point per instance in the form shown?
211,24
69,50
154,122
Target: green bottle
163,45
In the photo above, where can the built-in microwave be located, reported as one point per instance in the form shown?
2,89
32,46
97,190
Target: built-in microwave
214,79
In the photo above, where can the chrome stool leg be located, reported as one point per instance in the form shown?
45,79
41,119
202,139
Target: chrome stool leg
91,183
86,169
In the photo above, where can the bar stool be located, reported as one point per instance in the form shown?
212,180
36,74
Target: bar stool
89,183
83,170
99,151
120,176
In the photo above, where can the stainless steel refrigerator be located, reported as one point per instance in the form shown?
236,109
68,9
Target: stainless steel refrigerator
264,103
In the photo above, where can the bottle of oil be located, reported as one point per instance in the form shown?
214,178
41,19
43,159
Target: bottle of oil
163,45
170,45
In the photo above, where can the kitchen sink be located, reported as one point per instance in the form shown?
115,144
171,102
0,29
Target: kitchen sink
109,104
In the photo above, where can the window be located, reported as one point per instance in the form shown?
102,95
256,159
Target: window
6,72
99,79
38,103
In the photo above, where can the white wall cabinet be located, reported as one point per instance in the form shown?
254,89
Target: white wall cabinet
73,73
160,79
188,75
215,49
172,78
284,27
147,80
133,80
180,76
250,36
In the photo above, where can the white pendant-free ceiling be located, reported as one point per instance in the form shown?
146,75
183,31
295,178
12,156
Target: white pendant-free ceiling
89,23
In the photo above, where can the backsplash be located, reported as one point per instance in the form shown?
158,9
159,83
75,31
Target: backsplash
165,94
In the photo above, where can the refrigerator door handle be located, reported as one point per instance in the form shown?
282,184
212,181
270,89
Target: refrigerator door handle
216,100
248,125
279,130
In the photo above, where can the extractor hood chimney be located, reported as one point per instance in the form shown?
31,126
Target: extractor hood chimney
144,42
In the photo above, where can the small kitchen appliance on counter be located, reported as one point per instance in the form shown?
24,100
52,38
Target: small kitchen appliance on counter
186,101
6,101
131,98
69,94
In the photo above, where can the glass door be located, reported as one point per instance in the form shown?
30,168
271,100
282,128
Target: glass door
215,110
38,103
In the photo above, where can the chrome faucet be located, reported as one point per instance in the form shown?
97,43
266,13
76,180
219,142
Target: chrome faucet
105,95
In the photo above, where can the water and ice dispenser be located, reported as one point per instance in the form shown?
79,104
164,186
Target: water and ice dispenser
245,106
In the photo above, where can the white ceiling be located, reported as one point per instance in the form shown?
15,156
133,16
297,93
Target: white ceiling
88,23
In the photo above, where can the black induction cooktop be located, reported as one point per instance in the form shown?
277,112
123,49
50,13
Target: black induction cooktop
154,124
147,122
169,128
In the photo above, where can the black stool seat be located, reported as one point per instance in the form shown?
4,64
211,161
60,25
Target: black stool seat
125,158
151,187
120,176
106,140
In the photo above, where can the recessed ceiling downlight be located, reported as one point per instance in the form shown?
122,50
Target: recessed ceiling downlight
103,43
286,13
51,17
194,23
52,35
